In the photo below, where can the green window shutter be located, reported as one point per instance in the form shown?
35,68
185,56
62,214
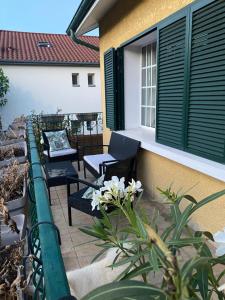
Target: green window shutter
120,89
114,96
110,88
206,107
171,82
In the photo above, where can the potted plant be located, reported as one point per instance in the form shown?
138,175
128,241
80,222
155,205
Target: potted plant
157,254
13,187
11,152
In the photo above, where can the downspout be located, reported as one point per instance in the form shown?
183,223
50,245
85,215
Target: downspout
81,42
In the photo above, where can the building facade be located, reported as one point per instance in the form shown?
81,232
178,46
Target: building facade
55,75
162,72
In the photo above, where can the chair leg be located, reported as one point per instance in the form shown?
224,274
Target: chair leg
69,215
78,187
85,175
78,164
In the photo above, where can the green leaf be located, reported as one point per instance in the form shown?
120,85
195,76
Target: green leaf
143,269
207,200
185,242
192,264
126,288
190,198
202,280
92,232
153,258
99,254
167,232
182,222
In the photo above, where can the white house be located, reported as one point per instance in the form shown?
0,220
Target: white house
49,72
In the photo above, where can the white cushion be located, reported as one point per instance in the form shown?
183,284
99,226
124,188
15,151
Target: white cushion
63,152
57,140
95,160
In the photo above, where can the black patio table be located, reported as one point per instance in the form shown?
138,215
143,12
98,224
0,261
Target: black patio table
57,173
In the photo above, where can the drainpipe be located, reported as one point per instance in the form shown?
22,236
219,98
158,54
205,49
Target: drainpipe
81,42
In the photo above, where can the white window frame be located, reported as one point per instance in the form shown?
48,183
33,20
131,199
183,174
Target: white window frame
146,67
78,80
93,79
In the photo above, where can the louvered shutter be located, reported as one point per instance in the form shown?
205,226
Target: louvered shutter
114,98
120,89
206,107
171,83
110,88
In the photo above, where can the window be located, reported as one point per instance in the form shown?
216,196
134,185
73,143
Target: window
148,85
91,79
75,79
44,44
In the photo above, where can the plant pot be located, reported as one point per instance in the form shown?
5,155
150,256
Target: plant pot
20,159
87,117
18,206
8,237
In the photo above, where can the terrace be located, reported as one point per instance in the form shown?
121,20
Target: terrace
56,247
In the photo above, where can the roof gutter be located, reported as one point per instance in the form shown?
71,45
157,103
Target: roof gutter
81,12
73,36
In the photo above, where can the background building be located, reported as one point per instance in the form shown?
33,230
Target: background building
47,73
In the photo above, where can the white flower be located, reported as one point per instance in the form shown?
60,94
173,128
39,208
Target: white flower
134,186
221,288
219,238
114,192
96,198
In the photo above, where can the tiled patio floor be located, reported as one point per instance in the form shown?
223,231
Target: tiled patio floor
78,249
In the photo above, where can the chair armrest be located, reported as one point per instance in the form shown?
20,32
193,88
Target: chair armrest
104,164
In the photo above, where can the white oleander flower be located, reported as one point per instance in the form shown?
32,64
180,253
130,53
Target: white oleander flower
113,191
221,288
134,186
219,238
96,199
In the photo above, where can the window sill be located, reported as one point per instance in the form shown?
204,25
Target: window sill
205,166
75,85
92,85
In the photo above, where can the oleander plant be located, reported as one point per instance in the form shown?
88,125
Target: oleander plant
148,254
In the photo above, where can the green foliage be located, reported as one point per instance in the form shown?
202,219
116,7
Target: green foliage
4,87
143,251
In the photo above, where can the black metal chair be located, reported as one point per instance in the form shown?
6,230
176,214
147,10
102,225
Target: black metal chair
119,168
119,148
68,153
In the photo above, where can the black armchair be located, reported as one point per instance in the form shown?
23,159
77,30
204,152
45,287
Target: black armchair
57,146
119,168
119,148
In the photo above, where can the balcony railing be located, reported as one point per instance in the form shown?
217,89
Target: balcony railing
83,128
49,278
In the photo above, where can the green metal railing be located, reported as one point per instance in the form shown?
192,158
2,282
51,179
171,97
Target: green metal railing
49,277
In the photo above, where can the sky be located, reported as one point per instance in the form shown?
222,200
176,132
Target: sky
49,16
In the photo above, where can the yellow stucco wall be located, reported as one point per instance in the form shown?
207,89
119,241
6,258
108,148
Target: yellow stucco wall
127,19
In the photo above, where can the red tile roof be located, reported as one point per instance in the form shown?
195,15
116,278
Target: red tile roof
22,47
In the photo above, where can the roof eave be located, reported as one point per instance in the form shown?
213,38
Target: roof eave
81,12
88,15
47,63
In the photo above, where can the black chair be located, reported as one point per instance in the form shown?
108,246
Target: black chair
119,168
119,148
69,153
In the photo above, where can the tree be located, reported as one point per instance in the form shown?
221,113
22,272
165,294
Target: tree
4,87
